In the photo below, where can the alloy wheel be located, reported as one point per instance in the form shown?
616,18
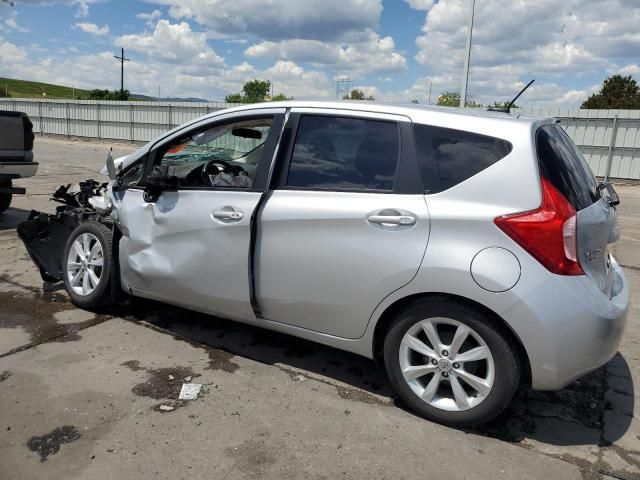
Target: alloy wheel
85,264
447,364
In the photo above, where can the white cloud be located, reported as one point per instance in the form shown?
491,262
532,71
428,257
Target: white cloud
631,69
145,77
421,4
93,29
83,8
567,46
12,24
173,43
280,19
11,54
515,41
374,54
10,19
150,18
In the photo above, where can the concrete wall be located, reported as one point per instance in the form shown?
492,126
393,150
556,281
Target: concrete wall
609,139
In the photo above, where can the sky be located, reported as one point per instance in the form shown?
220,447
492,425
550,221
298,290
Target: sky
395,50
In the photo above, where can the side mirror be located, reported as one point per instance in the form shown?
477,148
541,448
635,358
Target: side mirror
158,181
111,166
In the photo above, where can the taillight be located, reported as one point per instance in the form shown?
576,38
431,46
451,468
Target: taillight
548,233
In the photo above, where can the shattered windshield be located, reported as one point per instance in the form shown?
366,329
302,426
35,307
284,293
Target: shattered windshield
220,142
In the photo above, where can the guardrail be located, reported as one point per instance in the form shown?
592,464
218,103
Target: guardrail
609,139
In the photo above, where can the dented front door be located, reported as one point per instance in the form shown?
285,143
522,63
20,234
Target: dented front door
190,247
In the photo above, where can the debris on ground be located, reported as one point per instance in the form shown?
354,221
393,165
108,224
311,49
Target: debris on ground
190,391
166,408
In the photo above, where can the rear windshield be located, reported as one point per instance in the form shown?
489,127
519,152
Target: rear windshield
563,165
449,157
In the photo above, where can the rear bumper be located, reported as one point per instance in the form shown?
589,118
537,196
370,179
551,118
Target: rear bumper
573,327
18,169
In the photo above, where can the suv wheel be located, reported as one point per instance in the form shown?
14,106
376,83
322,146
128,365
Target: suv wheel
451,363
87,265
5,198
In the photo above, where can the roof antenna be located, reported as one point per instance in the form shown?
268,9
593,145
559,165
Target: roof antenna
507,109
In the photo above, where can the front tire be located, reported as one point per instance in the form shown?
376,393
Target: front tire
451,362
87,265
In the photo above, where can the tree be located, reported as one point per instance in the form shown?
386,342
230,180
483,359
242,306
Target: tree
449,99
234,98
414,101
498,104
452,99
98,94
255,91
616,92
357,94
280,97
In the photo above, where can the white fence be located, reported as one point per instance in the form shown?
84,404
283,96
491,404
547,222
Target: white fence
115,120
609,139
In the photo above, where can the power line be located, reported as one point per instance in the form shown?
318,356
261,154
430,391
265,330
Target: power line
122,60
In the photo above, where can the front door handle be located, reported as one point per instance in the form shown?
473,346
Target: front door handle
227,214
392,219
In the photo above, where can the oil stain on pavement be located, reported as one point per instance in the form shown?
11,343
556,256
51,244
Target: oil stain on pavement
221,360
50,443
36,315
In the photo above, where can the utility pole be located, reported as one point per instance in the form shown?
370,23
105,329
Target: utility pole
122,60
430,87
467,60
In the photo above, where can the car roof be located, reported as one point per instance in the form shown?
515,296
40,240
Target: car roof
414,111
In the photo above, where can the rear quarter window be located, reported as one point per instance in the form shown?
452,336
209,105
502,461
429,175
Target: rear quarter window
448,157
563,165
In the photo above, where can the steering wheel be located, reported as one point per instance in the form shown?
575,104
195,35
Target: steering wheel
211,168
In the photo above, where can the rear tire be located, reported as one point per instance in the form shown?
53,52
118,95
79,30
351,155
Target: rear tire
87,264
468,378
5,198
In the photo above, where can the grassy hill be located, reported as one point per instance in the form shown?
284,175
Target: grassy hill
27,89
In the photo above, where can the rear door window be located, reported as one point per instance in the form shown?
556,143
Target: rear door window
342,153
449,157
563,165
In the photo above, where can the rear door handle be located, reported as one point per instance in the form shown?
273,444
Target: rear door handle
227,214
392,219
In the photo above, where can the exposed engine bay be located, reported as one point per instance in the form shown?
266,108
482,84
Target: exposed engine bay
45,235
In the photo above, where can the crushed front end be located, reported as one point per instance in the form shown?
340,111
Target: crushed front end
45,235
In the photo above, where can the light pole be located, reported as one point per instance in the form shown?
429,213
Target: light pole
465,74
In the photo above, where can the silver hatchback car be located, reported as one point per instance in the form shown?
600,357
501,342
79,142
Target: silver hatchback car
467,252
